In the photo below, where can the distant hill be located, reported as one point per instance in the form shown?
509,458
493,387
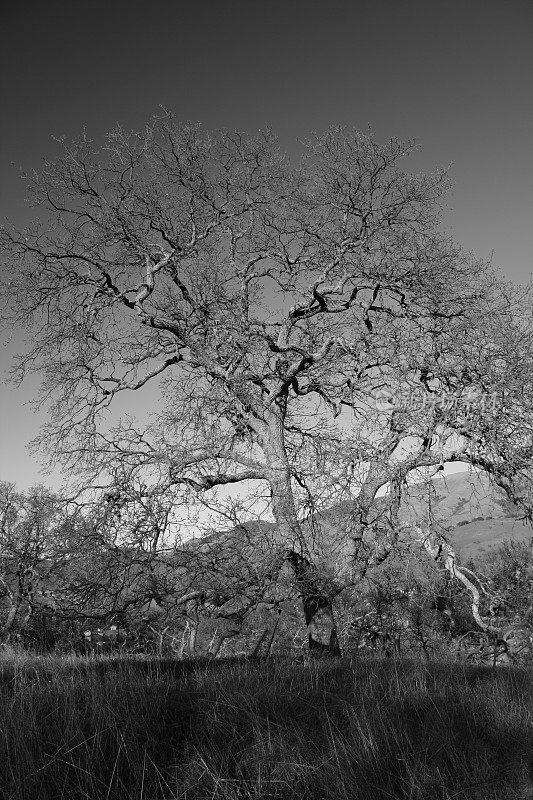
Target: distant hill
477,513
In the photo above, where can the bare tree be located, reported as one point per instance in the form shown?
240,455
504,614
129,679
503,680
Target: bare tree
33,548
271,304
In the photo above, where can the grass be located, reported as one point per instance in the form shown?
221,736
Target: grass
363,730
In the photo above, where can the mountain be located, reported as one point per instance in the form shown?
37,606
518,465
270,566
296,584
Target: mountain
477,514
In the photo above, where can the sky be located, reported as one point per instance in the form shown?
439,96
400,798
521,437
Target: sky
455,75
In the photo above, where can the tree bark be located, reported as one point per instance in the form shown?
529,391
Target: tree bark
10,621
188,642
317,601
317,605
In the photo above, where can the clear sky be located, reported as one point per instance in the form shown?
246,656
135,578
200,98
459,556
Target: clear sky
454,74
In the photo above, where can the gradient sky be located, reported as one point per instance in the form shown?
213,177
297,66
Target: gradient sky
454,74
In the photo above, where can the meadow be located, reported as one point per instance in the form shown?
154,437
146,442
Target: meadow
111,729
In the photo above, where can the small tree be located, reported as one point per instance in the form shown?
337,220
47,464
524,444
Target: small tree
272,304
32,552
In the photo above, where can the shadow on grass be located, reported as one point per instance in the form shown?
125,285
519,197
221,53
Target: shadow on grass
233,730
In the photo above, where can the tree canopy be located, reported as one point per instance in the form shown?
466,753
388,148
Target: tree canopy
309,327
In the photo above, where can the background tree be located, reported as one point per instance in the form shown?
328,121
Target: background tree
270,303
33,550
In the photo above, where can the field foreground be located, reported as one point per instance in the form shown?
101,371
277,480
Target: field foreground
363,730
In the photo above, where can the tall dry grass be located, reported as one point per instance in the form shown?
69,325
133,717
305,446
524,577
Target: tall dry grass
364,730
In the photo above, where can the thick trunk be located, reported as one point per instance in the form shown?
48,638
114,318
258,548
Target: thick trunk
322,630
317,604
317,601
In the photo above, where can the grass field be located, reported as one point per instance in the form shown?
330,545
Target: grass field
363,730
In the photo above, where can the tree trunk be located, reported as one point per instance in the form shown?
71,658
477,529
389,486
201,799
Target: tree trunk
317,605
215,644
10,621
317,601
188,641
322,630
